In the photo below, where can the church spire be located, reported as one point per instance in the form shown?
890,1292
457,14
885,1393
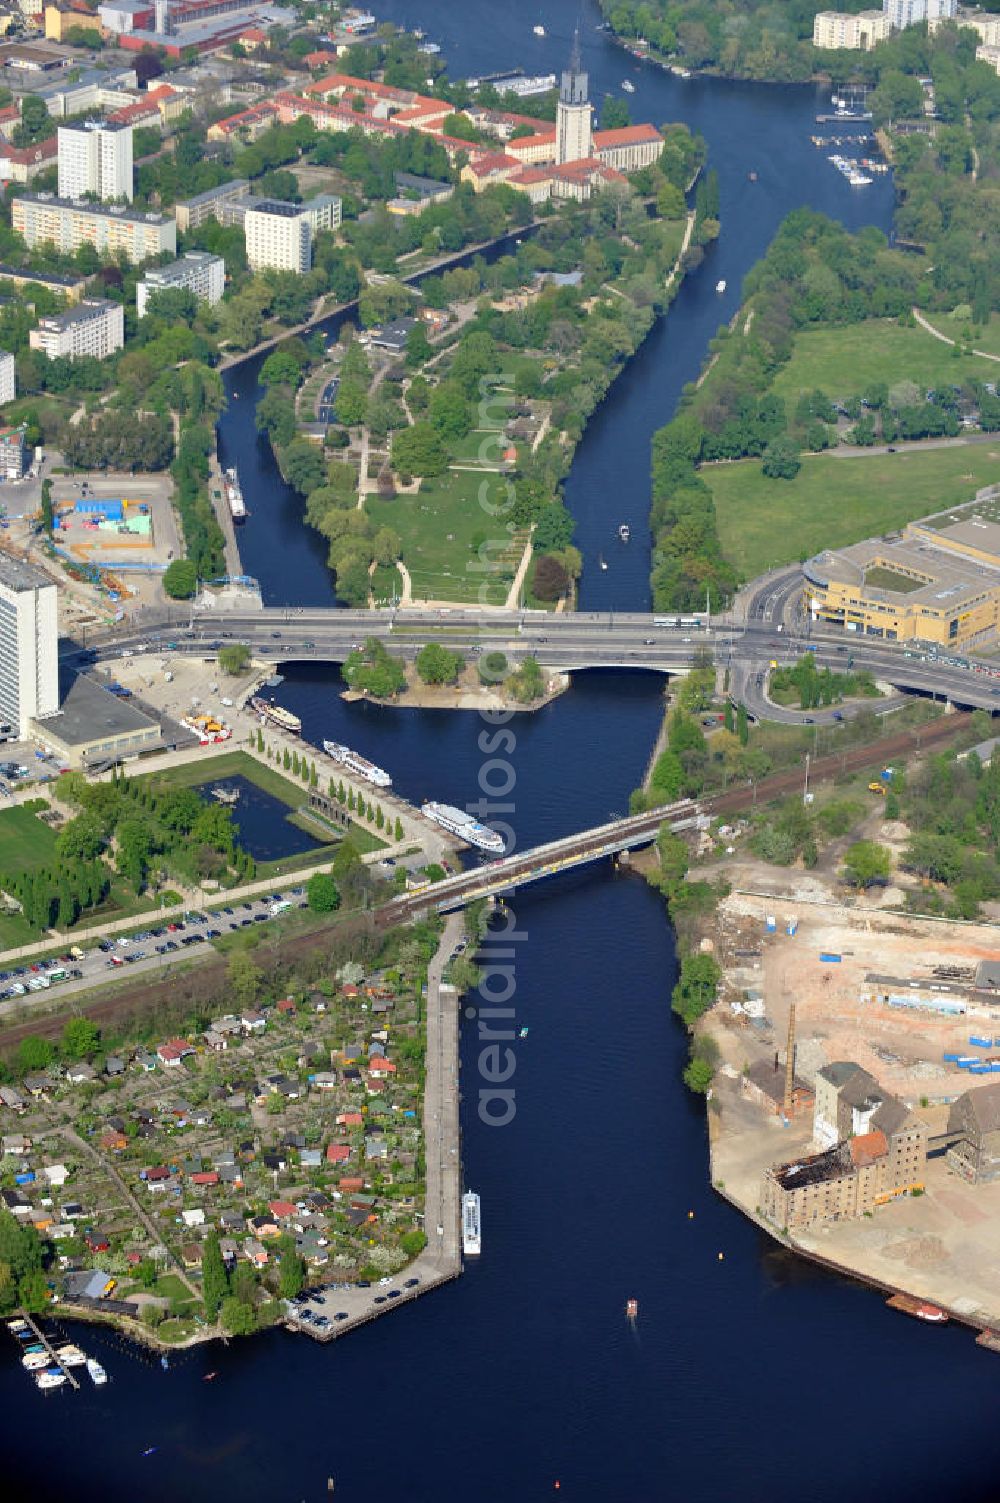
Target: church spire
573,89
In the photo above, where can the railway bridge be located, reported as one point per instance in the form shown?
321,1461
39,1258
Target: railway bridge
510,872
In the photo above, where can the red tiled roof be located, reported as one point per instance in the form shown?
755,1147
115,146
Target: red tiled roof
493,161
868,1147
338,1153
205,1177
628,135
281,1208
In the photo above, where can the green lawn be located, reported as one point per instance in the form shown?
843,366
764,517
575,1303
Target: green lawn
979,336
833,502
482,446
843,361
442,528
26,843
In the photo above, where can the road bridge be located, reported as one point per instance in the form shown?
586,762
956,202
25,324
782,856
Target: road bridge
765,624
510,872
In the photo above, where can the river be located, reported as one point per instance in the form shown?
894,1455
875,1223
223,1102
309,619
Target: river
754,1377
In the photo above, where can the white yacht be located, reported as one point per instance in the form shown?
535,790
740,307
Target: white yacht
457,822
98,1376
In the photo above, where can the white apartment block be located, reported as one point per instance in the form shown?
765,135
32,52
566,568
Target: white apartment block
41,217
903,13
196,271
279,235
836,31
29,642
95,327
8,382
95,157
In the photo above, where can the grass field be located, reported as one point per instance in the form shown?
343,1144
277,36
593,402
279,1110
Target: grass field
980,336
26,844
833,502
843,361
442,527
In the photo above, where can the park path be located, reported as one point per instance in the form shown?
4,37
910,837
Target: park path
514,593
944,338
406,595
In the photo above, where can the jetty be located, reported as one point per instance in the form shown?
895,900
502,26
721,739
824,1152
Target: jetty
46,1343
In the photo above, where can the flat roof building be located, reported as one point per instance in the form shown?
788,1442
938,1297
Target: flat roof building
835,30
937,582
94,327
192,212
94,725
195,271
279,235
29,641
8,378
95,156
68,224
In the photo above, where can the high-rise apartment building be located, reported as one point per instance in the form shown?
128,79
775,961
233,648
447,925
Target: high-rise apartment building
69,224
8,381
29,641
95,156
196,271
279,235
94,327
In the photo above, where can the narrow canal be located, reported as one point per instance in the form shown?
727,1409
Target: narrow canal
753,1377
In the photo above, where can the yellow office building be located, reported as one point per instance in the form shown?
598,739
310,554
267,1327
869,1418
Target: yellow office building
927,584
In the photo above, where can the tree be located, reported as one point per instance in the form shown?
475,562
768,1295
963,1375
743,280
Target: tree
291,1268
419,451
244,979
781,460
80,1038
180,579
550,579
436,665
234,658
322,894
34,1053
237,1317
696,987
302,466
866,863
214,1279
398,831
418,347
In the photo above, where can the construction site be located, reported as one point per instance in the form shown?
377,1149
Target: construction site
812,982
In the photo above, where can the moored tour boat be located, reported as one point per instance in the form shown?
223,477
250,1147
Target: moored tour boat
471,1229
234,495
355,762
631,1309
457,822
282,718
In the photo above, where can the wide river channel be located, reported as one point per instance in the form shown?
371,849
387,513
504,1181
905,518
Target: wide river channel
755,1377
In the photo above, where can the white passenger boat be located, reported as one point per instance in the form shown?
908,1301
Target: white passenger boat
234,496
276,714
471,1229
457,822
355,762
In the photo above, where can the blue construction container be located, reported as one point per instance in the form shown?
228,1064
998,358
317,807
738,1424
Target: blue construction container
951,1058
101,506
827,956
980,1043
980,1070
966,1061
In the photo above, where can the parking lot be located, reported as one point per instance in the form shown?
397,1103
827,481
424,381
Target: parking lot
326,1311
144,949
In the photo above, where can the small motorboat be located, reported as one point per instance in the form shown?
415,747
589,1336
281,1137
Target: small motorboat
631,1309
523,1034
624,532
539,31
628,86
602,562
208,1377
720,285
51,1378
97,1374
752,176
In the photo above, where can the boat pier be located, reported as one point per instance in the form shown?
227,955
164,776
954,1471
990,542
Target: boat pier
46,1343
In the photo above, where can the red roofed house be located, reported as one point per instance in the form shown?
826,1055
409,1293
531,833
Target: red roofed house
172,1052
19,164
338,1153
10,116
286,1005
248,124
628,149
350,1119
204,1177
351,1182
380,1067
143,112
281,1208
253,38
488,168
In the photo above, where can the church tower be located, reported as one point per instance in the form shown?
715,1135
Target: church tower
573,137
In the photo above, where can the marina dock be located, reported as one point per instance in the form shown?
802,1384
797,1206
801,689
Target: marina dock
46,1343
